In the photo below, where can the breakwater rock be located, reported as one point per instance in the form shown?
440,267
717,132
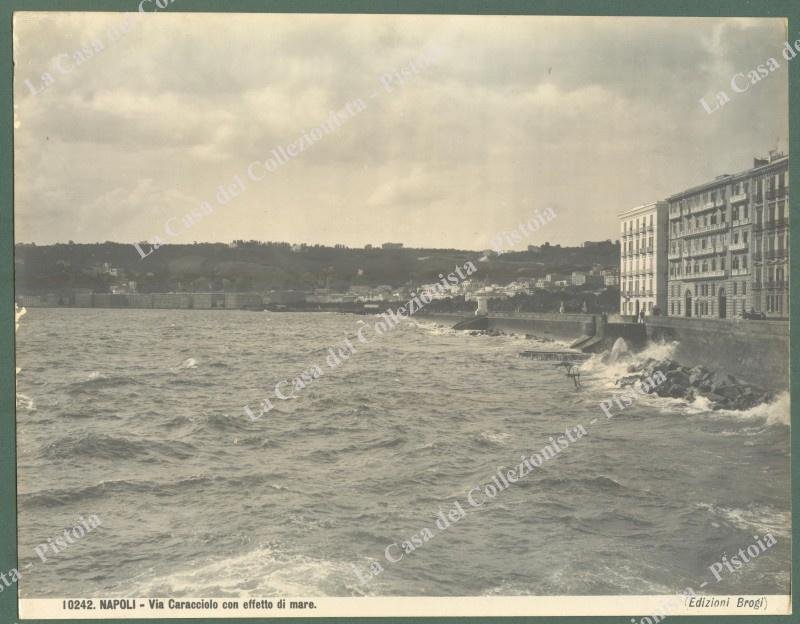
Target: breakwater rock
723,391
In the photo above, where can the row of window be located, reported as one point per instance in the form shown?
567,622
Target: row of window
634,225
710,307
632,285
629,307
774,182
709,289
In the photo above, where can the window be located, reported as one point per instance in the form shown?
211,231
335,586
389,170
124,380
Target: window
744,288
734,288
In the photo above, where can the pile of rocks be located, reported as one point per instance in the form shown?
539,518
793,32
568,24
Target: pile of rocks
722,390
487,332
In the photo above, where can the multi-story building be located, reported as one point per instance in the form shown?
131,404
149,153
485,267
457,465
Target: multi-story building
642,271
728,244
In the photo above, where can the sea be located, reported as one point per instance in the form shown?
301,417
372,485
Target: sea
136,417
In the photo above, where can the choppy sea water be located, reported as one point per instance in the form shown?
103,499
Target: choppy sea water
136,416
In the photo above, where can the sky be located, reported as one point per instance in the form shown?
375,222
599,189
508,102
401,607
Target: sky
586,115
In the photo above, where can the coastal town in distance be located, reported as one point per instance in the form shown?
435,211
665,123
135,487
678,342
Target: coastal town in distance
719,250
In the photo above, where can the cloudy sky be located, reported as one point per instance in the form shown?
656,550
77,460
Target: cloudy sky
586,115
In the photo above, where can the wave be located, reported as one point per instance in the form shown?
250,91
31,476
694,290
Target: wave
261,572
187,363
168,489
619,362
492,438
101,446
25,403
776,413
18,314
97,380
760,519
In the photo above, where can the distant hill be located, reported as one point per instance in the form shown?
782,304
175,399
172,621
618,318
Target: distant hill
262,266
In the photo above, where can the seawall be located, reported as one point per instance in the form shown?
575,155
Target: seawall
558,326
756,351
566,327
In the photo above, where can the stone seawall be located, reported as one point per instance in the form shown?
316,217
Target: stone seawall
756,351
567,327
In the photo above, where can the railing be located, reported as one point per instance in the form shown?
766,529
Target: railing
776,223
739,197
674,255
777,284
705,275
776,253
737,246
739,222
739,271
709,205
708,251
703,229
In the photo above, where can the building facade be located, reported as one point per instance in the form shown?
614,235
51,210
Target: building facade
643,271
728,244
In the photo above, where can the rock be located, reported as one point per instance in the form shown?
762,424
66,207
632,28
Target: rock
628,380
679,377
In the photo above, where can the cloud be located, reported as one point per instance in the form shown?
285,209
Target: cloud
516,113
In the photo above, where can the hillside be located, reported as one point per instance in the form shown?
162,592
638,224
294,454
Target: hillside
258,266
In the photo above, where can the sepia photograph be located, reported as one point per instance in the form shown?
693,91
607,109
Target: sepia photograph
347,314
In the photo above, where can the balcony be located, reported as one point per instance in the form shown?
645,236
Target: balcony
776,254
705,275
710,205
738,198
741,245
756,255
708,251
705,229
784,284
776,223
739,222
674,255
740,271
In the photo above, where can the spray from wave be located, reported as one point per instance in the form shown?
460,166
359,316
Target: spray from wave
23,402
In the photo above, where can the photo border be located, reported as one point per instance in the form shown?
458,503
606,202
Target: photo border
642,8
